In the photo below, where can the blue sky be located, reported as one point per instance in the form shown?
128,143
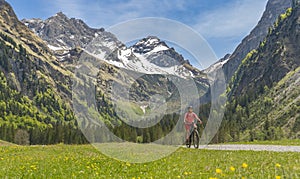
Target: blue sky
223,23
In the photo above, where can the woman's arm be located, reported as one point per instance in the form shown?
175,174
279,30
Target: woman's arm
197,118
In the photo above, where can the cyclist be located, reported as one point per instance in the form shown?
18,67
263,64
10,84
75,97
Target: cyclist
189,119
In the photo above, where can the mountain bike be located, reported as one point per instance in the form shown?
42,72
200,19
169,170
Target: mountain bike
194,137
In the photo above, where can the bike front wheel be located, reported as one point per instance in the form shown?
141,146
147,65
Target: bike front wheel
196,139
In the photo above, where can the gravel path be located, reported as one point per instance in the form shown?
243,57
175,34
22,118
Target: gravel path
274,148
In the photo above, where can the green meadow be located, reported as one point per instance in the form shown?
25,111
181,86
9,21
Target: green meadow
84,161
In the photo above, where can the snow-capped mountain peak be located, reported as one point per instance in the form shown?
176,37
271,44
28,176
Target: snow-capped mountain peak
149,44
63,33
151,56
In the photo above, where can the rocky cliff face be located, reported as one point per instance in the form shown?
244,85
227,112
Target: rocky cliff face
158,52
35,88
153,56
61,32
33,59
277,55
273,9
264,91
149,55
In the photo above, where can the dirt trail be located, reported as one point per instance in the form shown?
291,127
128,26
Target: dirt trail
273,148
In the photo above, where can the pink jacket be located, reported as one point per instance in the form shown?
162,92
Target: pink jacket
189,117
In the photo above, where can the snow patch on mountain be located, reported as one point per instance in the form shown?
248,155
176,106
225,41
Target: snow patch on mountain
217,65
54,48
139,58
159,48
150,55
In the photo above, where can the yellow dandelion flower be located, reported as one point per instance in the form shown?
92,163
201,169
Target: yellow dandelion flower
243,177
278,165
232,169
178,176
185,173
278,177
128,164
213,178
218,171
244,165
190,173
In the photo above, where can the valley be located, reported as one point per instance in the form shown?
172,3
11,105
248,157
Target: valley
67,89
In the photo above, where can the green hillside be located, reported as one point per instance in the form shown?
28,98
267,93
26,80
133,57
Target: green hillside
35,89
264,92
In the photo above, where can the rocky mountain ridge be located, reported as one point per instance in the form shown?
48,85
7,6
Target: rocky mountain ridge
149,55
273,9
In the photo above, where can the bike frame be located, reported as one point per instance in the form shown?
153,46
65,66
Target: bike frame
193,127
193,131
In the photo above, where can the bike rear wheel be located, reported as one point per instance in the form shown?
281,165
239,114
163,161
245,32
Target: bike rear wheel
189,142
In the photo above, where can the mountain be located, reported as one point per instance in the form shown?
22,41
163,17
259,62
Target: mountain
218,65
48,66
37,56
264,91
277,55
150,55
112,62
230,62
157,52
273,9
69,38
149,69
62,33
35,89
66,37
11,26
153,56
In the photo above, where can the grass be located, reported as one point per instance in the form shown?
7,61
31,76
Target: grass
131,109
135,153
285,142
84,161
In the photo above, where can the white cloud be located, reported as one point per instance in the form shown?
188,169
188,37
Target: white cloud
234,19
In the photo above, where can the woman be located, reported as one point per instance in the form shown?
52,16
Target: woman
189,120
